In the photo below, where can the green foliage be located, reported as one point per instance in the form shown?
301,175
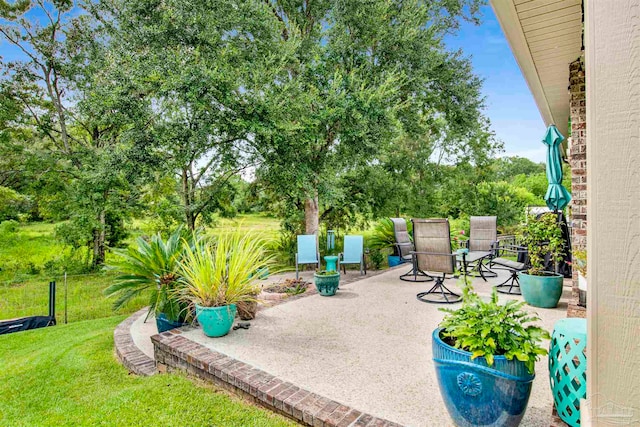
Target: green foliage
382,236
13,204
508,168
151,267
283,249
69,127
9,226
504,200
376,258
327,273
346,89
580,261
31,249
78,375
487,329
536,184
542,236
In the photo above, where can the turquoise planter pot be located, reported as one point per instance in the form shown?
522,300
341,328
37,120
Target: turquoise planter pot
216,321
541,291
327,285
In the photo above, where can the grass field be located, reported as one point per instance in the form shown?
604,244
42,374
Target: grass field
67,375
24,275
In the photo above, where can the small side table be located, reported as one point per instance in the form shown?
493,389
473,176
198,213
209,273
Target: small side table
568,368
331,262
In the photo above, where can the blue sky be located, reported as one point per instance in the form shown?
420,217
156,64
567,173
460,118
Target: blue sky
510,106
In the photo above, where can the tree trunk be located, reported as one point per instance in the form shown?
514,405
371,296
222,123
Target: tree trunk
311,215
99,237
186,198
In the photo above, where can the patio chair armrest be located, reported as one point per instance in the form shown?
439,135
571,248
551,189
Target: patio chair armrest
434,253
512,249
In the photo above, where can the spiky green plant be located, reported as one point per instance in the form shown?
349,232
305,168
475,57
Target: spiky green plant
221,272
383,236
150,267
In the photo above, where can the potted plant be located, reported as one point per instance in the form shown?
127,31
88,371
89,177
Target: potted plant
484,354
217,276
580,264
327,282
543,238
152,266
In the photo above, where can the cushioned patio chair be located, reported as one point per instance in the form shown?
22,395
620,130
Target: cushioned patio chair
483,235
307,252
353,253
433,254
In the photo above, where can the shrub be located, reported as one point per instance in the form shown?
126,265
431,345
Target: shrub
9,226
542,236
13,204
377,258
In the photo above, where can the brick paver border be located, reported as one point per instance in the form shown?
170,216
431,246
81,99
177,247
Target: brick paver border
173,351
126,350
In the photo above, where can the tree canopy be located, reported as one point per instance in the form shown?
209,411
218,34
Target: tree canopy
334,111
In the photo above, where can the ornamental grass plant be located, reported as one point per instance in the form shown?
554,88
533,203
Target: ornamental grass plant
221,271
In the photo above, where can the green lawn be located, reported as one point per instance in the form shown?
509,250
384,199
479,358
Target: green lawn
24,277
68,376
85,299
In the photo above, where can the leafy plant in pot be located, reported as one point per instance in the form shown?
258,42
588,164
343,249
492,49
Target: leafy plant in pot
542,237
152,266
485,355
217,276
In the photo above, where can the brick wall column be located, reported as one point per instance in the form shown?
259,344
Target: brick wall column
578,162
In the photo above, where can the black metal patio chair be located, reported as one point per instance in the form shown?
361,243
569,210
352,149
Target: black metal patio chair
483,235
510,286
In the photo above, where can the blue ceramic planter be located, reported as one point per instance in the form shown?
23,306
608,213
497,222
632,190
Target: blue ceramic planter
476,394
541,291
164,324
327,285
216,321
393,260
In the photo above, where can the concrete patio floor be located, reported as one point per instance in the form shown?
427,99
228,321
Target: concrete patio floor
369,347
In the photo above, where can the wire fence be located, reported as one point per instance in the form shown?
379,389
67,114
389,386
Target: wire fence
78,297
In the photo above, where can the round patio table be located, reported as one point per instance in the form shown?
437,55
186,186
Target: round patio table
331,262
